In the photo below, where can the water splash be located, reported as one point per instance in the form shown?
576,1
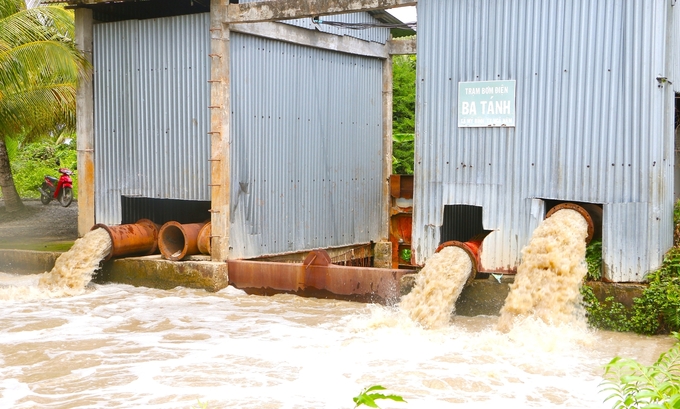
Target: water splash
438,286
71,273
548,279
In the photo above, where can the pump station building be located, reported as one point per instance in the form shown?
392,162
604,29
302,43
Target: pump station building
279,130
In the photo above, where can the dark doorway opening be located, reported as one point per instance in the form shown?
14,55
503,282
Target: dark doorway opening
461,223
161,211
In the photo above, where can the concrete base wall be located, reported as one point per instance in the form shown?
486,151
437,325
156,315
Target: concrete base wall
155,272
484,296
27,261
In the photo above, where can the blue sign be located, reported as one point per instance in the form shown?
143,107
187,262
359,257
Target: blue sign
486,103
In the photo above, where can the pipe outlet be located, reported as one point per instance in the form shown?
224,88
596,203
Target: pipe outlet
177,241
204,239
591,212
137,239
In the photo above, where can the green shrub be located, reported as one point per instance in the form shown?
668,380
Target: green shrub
403,154
594,260
656,311
633,385
32,161
608,315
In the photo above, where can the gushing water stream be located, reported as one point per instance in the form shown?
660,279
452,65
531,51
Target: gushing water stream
118,346
437,287
548,279
71,273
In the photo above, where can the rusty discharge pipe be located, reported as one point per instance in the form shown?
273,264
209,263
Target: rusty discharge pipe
203,240
591,212
471,247
137,239
177,241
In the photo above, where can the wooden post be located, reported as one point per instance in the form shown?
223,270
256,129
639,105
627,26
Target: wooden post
220,117
85,126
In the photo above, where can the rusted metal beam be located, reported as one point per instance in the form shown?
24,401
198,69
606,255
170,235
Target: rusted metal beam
291,9
316,273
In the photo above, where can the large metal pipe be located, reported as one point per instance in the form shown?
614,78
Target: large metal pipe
316,273
177,241
137,239
471,247
203,240
591,213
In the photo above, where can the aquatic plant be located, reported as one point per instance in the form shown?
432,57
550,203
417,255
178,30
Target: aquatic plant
633,385
368,397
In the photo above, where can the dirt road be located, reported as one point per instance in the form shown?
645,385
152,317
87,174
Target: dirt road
39,227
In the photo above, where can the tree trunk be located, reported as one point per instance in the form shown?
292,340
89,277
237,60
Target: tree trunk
9,191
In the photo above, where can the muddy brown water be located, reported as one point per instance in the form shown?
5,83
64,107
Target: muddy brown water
117,346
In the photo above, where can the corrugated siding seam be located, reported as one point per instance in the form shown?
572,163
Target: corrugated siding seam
589,112
306,147
674,49
151,111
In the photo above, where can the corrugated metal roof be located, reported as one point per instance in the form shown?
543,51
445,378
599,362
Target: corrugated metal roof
592,122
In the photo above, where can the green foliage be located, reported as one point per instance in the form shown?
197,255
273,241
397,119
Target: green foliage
594,260
403,113
404,93
608,315
656,311
32,161
633,385
402,154
368,397
40,69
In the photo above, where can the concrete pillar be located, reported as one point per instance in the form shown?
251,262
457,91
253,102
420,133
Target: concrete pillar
85,126
387,147
220,117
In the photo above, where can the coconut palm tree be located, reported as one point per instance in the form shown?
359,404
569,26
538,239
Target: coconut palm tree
39,70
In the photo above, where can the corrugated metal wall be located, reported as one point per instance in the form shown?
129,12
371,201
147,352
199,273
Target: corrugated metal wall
151,111
306,147
593,124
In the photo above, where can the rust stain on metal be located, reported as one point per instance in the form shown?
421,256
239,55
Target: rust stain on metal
316,273
140,238
177,241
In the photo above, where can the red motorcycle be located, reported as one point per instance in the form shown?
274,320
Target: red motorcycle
60,189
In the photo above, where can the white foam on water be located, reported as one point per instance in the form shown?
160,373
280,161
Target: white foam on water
119,346
70,275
